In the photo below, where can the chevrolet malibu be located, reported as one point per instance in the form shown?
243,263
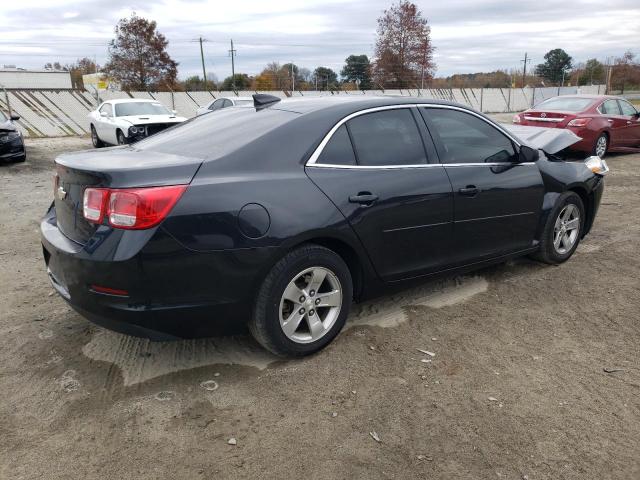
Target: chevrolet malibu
283,214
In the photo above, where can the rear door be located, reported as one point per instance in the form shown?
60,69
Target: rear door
631,129
380,169
497,200
617,123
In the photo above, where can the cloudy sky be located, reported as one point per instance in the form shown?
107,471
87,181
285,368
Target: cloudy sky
469,35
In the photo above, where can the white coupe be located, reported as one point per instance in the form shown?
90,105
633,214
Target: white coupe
219,103
119,122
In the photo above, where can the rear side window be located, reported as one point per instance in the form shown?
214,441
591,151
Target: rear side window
387,138
610,107
627,108
466,138
338,151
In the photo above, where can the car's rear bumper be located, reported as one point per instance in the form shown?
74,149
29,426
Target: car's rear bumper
171,292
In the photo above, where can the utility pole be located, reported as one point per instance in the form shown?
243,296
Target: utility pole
204,72
293,79
232,52
524,71
424,61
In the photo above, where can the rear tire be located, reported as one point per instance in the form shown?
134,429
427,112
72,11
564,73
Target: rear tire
562,230
303,302
601,145
95,140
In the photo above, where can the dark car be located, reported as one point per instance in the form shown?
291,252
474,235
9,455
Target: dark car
604,123
11,142
280,215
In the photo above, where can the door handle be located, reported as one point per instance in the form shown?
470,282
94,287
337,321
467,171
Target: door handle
363,198
609,120
469,191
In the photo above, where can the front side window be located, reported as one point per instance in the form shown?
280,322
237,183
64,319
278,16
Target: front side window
466,138
140,108
106,108
610,107
627,108
387,138
338,151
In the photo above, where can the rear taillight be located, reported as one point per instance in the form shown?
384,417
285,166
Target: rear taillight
516,118
93,204
578,122
131,208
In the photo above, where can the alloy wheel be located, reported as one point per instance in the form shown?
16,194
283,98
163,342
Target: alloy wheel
601,146
566,229
310,305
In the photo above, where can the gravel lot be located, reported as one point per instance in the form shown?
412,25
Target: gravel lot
516,389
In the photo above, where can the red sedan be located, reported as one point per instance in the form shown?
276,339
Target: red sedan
605,123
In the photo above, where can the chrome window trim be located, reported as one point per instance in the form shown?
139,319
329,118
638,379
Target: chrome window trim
318,151
542,119
426,165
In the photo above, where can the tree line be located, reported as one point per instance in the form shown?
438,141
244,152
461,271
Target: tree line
403,58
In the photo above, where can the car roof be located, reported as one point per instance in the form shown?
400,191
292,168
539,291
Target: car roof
132,100
588,96
356,102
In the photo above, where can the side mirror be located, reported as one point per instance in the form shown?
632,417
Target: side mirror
104,114
15,117
528,154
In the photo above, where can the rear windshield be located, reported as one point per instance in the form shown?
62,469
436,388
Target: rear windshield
212,136
565,104
140,108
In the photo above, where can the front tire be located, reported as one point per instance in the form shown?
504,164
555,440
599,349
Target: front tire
303,302
601,146
122,140
95,140
563,230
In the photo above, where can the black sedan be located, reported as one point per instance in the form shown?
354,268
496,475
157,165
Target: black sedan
11,142
282,214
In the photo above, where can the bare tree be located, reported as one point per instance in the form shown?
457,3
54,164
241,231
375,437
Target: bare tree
404,54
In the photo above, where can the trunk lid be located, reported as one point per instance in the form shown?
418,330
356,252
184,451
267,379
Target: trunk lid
115,168
549,119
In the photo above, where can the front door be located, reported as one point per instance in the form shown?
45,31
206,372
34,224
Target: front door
631,128
376,170
497,200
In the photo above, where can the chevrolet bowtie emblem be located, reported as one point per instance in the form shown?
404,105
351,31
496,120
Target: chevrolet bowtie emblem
62,193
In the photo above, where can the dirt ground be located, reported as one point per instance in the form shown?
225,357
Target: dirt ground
516,388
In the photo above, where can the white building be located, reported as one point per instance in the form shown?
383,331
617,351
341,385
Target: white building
27,79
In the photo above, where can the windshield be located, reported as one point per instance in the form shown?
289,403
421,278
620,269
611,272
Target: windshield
212,136
140,108
566,104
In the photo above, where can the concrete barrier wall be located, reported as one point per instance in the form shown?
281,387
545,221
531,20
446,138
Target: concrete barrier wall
48,113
